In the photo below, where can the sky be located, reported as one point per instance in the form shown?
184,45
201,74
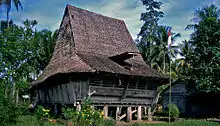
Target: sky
49,13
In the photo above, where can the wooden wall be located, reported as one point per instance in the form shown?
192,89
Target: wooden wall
63,93
177,96
108,88
120,96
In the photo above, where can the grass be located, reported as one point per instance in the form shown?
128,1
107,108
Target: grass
183,123
32,121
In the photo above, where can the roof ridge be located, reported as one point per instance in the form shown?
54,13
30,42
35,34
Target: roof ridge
70,6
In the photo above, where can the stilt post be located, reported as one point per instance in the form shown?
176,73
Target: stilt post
139,113
129,114
78,106
105,109
149,114
117,113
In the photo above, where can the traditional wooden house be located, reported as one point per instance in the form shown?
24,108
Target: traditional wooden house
95,56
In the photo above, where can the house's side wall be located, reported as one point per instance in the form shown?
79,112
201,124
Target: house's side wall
177,97
66,93
121,90
103,88
121,96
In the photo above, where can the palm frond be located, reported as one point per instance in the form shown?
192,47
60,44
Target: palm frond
175,36
190,27
17,4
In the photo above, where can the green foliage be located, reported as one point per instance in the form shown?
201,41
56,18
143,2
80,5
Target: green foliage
29,120
182,65
87,116
24,53
204,61
152,39
150,18
173,109
68,113
32,121
149,28
41,112
9,112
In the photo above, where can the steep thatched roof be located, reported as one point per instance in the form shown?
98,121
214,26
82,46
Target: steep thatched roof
89,42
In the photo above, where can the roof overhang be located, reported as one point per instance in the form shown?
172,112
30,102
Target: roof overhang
124,56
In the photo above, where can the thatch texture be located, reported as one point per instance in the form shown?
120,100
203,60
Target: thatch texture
86,43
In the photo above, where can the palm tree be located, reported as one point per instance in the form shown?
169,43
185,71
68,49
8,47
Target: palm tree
202,14
183,63
6,4
160,53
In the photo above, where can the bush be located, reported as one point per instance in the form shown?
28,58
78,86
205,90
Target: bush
9,112
41,112
108,122
174,111
87,116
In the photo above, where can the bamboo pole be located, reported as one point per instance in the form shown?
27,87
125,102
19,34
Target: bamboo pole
170,87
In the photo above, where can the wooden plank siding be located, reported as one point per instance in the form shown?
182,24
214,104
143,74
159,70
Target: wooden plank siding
63,93
108,89
114,95
118,100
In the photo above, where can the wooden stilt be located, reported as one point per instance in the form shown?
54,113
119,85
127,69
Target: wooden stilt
105,109
55,109
149,114
92,107
124,115
129,114
78,107
117,113
139,113
145,111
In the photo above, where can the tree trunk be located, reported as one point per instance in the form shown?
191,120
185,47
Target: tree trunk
6,90
17,96
13,91
7,19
